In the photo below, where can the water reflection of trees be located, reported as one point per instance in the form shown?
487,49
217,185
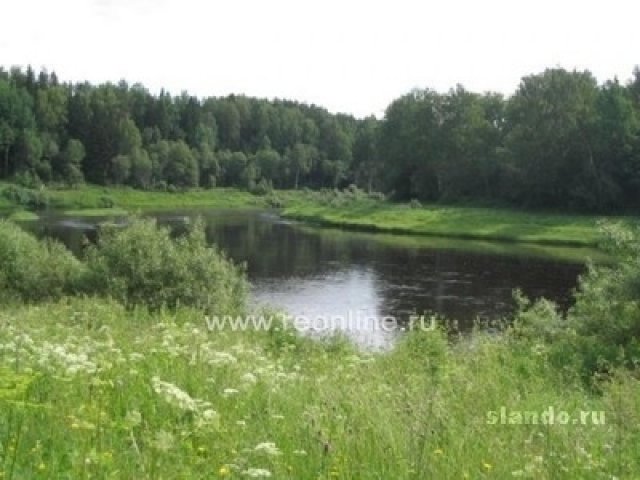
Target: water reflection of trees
408,280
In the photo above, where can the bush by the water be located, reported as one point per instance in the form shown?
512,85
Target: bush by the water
34,270
602,330
142,264
34,199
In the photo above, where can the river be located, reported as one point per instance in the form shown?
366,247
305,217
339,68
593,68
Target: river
367,284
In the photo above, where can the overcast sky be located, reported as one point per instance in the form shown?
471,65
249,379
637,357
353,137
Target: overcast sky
348,56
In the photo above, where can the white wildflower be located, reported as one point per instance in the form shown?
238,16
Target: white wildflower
209,418
268,448
257,473
163,441
173,395
249,378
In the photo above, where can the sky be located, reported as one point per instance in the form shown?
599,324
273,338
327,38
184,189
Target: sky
348,56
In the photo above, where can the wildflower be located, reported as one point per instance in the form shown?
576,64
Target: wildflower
258,473
268,447
42,467
229,391
224,471
438,451
163,441
208,418
487,466
173,395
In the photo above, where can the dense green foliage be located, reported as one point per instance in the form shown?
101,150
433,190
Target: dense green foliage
602,331
35,270
138,264
560,141
141,264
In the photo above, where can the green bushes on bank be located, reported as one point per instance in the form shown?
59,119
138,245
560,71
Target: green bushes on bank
601,332
33,199
140,264
143,264
35,270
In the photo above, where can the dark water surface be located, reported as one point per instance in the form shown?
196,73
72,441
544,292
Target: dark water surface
352,280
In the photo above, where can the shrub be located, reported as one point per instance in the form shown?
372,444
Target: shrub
415,203
606,315
377,196
274,201
263,187
34,270
601,332
106,202
27,180
143,264
32,199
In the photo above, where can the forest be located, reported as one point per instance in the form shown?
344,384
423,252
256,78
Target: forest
562,141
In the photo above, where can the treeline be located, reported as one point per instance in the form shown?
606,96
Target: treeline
122,134
562,141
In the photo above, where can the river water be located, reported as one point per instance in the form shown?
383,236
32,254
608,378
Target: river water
368,285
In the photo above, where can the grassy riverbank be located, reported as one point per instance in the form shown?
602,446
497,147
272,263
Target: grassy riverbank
498,224
88,389
348,210
91,200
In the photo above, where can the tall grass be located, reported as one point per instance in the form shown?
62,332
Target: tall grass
94,390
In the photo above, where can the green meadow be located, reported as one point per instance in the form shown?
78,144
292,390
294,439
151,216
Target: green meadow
462,222
347,209
92,390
